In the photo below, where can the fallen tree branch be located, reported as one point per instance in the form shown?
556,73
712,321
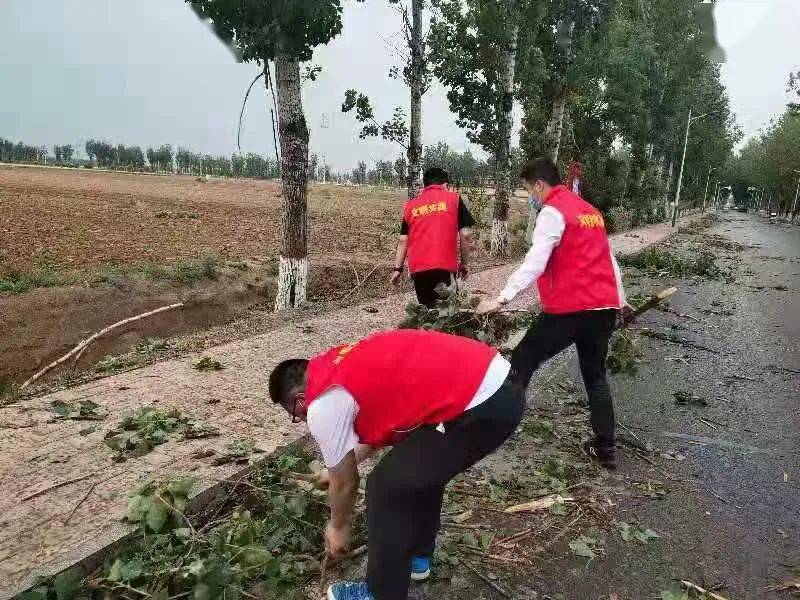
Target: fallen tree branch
56,486
361,283
78,350
697,588
485,579
81,501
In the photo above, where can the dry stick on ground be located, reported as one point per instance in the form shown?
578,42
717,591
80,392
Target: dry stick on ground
81,501
359,285
485,579
697,588
56,486
80,348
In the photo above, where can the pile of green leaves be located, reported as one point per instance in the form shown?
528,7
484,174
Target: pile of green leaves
267,547
85,410
455,314
158,506
208,364
624,354
148,427
635,532
659,261
587,547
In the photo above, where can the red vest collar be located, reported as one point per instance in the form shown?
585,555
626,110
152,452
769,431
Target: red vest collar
555,191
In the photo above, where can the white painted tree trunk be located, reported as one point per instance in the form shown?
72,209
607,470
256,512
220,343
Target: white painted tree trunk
417,84
293,268
503,187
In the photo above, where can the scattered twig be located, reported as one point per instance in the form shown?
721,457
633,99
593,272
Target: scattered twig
81,501
697,588
707,422
78,350
359,285
485,579
494,557
560,534
716,495
358,279
56,486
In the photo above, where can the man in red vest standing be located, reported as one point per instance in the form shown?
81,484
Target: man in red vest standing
580,288
444,402
435,224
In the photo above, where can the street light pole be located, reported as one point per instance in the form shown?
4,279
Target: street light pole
705,194
683,164
796,193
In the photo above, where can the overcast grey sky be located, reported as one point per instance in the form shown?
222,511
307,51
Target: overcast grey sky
148,72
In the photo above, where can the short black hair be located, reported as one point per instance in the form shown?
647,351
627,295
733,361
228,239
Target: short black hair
541,168
285,377
435,176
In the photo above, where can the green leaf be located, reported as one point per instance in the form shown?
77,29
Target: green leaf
646,535
60,408
486,539
125,571
67,584
624,531
37,593
673,596
255,556
180,486
157,515
581,548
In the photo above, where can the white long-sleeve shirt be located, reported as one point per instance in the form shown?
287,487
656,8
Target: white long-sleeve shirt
547,234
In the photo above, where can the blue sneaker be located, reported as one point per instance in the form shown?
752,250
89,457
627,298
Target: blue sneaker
349,590
420,568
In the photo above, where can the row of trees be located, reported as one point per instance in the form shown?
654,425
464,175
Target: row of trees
609,82
21,153
766,173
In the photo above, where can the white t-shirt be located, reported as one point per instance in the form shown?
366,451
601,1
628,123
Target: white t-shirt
547,234
331,417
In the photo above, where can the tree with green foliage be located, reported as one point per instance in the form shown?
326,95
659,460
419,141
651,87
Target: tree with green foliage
477,49
415,73
286,32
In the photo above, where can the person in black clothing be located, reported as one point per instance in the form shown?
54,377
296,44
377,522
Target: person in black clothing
435,225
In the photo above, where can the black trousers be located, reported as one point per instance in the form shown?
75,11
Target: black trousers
590,331
425,283
405,490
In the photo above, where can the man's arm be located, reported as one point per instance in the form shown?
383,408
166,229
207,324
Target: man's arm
465,224
547,234
402,251
343,490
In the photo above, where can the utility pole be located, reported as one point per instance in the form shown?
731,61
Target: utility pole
705,194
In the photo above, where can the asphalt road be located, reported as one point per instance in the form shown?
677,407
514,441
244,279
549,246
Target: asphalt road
731,516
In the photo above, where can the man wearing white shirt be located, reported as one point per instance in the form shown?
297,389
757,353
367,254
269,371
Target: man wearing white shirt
581,292
443,402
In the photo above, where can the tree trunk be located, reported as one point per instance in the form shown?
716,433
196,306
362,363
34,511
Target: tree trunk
668,190
555,128
505,117
417,84
293,133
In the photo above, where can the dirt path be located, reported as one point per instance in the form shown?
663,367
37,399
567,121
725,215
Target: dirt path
36,452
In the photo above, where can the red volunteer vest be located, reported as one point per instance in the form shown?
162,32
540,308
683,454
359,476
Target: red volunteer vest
432,219
402,379
580,274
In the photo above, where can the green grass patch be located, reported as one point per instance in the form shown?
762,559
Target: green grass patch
186,271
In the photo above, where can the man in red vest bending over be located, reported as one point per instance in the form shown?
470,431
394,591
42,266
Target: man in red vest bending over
580,288
433,224
444,402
